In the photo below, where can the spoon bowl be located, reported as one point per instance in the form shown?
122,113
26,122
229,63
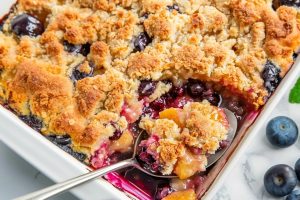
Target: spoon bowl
132,162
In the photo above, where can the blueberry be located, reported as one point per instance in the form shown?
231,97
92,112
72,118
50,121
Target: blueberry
174,7
176,92
33,122
293,3
159,104
117,134
61,140
280,180
195,88
64,142
214,99
79,156
147,88
162,192
145,15
295,55
295,195
135,129
26,24
2,22
271,76
297,168
85,49
78,75
236,107
141,41
282,131
76,49
150,112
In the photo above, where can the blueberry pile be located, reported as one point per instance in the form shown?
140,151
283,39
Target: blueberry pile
281,180
64,142
178,96
33,122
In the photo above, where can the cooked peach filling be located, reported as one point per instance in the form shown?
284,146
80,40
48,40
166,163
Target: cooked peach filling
181,138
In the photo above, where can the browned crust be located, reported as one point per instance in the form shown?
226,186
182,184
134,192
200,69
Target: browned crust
224,42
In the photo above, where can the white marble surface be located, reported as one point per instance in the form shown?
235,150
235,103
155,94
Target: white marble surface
245,182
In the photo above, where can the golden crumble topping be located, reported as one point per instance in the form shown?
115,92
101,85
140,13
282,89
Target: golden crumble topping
79,67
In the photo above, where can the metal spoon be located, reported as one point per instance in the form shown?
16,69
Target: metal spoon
132,162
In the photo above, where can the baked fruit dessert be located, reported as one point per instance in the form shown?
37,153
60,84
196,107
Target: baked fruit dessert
90,75
181,139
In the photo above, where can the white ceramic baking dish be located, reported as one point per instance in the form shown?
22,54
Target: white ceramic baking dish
59,166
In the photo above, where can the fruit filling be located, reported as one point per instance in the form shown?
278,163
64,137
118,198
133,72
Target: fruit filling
197,125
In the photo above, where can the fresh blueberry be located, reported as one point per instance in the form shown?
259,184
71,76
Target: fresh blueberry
195,88
33,122
280,180
295,195
78,75
26,24
141,41
147,88
282,131
297,168
271,76
174,7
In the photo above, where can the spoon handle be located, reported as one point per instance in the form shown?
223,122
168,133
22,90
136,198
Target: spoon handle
71,183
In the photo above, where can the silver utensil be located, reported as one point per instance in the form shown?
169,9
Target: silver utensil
132,162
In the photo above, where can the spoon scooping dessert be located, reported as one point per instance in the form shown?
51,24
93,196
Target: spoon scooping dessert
132,162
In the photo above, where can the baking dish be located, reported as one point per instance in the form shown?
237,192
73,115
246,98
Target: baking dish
215,171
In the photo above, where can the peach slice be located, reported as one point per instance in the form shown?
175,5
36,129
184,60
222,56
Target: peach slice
182,195
188,165
175,114
123,144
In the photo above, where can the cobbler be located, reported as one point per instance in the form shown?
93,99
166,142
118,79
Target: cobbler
91,75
